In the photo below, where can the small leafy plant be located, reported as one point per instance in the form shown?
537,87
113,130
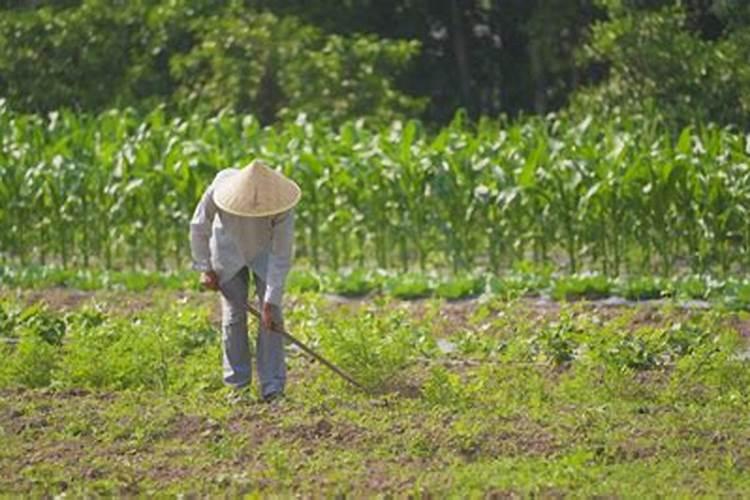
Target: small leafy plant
462,287
351,283
302,280
581,286
409,286
643,288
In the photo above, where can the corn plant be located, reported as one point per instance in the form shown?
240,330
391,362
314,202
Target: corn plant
612,195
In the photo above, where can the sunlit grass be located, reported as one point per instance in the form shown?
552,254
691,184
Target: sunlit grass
572,401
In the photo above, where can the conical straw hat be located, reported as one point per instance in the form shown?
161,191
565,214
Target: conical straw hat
256,191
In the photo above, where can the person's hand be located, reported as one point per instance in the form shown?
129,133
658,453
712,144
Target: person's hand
210,280
266,315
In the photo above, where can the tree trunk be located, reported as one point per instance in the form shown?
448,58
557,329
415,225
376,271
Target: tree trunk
460,49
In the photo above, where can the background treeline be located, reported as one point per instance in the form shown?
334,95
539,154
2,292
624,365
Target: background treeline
345,59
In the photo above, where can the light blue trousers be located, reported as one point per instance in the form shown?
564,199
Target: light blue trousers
269,351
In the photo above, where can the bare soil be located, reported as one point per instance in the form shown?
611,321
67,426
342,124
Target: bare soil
452,316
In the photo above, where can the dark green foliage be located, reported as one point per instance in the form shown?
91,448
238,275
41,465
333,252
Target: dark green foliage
681,60
72,57
195,56
676,60
486,57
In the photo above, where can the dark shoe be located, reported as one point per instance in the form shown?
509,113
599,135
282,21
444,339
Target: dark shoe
273,397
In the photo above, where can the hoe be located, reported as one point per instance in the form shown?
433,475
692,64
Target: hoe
310,352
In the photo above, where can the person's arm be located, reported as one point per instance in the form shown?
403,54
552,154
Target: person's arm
200,235
280,258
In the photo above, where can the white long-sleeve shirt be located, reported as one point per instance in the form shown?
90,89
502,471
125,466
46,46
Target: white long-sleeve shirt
225,243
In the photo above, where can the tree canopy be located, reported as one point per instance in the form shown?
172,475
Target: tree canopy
681,60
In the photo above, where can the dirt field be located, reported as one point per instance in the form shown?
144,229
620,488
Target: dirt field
478,397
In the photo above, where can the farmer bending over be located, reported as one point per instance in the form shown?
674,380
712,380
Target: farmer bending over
245,221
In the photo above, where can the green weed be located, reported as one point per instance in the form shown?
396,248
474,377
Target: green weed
443,388
31,362
372,347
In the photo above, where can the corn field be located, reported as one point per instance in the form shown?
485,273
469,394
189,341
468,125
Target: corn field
118,190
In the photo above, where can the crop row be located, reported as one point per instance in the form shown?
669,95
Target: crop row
732,293
618,197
